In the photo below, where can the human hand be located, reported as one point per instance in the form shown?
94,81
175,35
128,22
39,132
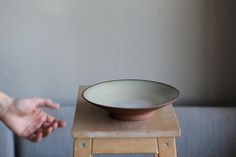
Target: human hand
26,118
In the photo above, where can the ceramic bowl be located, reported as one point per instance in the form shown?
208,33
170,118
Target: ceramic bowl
130,99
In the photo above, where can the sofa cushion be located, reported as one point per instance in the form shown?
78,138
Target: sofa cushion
207,131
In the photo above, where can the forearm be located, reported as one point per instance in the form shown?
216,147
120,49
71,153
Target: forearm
5,103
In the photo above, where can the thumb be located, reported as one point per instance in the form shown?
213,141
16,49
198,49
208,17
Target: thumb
47,103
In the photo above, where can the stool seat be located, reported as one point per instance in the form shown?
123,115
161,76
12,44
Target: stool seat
94,132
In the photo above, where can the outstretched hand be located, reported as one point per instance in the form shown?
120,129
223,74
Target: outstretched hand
26,118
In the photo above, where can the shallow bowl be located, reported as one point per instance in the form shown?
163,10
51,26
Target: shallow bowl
130,99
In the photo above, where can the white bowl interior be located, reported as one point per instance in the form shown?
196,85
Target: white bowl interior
130,94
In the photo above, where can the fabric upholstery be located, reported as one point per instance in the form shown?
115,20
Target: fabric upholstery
6,142
206,131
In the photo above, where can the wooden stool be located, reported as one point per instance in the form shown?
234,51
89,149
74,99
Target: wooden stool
94,132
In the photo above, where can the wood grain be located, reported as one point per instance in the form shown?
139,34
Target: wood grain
121,145
82,148
76,148
93,122
167,147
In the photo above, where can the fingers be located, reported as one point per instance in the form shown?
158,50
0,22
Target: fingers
45,130
46,103
61,124
50,118
35,137
57,123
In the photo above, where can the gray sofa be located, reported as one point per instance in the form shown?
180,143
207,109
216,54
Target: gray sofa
206,132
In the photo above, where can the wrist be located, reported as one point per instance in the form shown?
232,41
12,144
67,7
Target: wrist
5,103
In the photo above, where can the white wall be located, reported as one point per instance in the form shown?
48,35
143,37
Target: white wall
50,47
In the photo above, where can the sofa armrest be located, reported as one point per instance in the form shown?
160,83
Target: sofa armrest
6,142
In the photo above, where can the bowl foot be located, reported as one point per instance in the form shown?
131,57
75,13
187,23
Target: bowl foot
136,117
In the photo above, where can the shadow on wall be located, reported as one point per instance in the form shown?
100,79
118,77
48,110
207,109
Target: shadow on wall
222,50
220,63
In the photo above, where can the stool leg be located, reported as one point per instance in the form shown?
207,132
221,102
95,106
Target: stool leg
82,147
167,147
155,155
